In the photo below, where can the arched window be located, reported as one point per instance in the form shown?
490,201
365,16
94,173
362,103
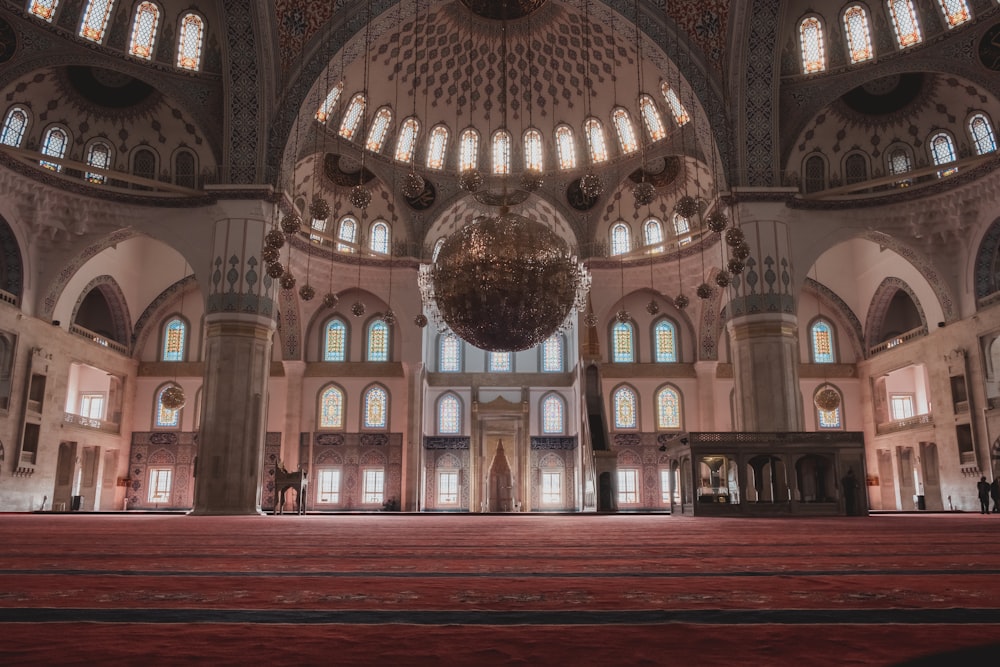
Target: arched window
623,343
899,161
594,132
942,151
376,402
565,147
437,148
14,126
680,114
95,19
625,130
621,239
652,230
143,166
335,340
174,340
821,342
668,408
815,174
626,408
377,341
534,159
682,226
326,109
553,414
501,152
319,226
44,9
407,141
500,362
147,19
379,130
855,169
185,169
859,42
811,41
449,353
192,34
165,417
651,118
331,408
378,237
904,22
347,232
352,117
54,145
982,134
468,150
449,414
552,354
664,342
829,418
956,12
99,156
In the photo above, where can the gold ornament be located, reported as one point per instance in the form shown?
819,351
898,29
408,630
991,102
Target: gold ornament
173,398
623,316
269,254
827,399
389,317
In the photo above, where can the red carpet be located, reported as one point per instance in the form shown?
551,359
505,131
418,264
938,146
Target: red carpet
486,590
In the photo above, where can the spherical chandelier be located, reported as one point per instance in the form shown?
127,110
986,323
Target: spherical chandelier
504,283
827,399
173,398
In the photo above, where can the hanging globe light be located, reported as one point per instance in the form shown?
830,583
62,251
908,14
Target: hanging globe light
274,239
330,300
319,209
623,316
687,207
827,399
652,307
741,252
389,317
287,280
307,292
291,223
735,266
413,185
591,185
704,291
644,193
470,180
504,283
173,398
360,197
681,302
722,279
717,221
735,236
269,254
420,320
531,180
275,270
591,320
357,309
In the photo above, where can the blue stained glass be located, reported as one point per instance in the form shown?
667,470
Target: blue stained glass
449,415
552,354
822,343
378,341
668,408
450,354
623,345
625,408
829,418
376,408
665,339
13,127
501,362
331,408
335,341
174,339
553,414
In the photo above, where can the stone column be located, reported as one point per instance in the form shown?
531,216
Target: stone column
239,325
706,371
763,334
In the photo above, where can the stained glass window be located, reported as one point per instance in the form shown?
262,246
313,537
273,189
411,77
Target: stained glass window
468,157
99,155
14,126
407,140
165,417
379,130
942,150
625,405
956,12
821,336
376,408
665,342
95,20
190,42
147,18
348,234
174,340
534,159
332,97
352,117
501,362
437,148
668,408
904,20
378,341
622,343
899,161
625,130
331,408
680,114
628,486
982,134
335,340
828,418
54,145
565,147
621,239
501,152
815,176
379,237
859,43
449,415
651,118
594,132
653,231
682,225
450,354
44,9
553,414
552,354
811,37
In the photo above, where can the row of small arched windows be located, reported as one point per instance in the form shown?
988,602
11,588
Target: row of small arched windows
665,343
652,234
348,232
468,154
146,20
551,412
857,30
552,356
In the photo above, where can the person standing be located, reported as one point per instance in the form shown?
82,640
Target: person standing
984,495
995,493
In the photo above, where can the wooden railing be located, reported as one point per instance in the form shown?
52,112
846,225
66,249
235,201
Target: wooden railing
904,424
103,341
898,340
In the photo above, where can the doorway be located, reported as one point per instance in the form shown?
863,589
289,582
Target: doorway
501,482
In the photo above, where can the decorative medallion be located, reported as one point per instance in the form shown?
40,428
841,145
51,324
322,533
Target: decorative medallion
577,199
340,171
425,199
8,41
511,9
989,48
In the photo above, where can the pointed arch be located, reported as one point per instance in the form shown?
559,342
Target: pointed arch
175,337
651,118
121,321
669,414
335,339
448,414
501,152
331,408
879,307
375,408
158,309
625,407
552,414
625,130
